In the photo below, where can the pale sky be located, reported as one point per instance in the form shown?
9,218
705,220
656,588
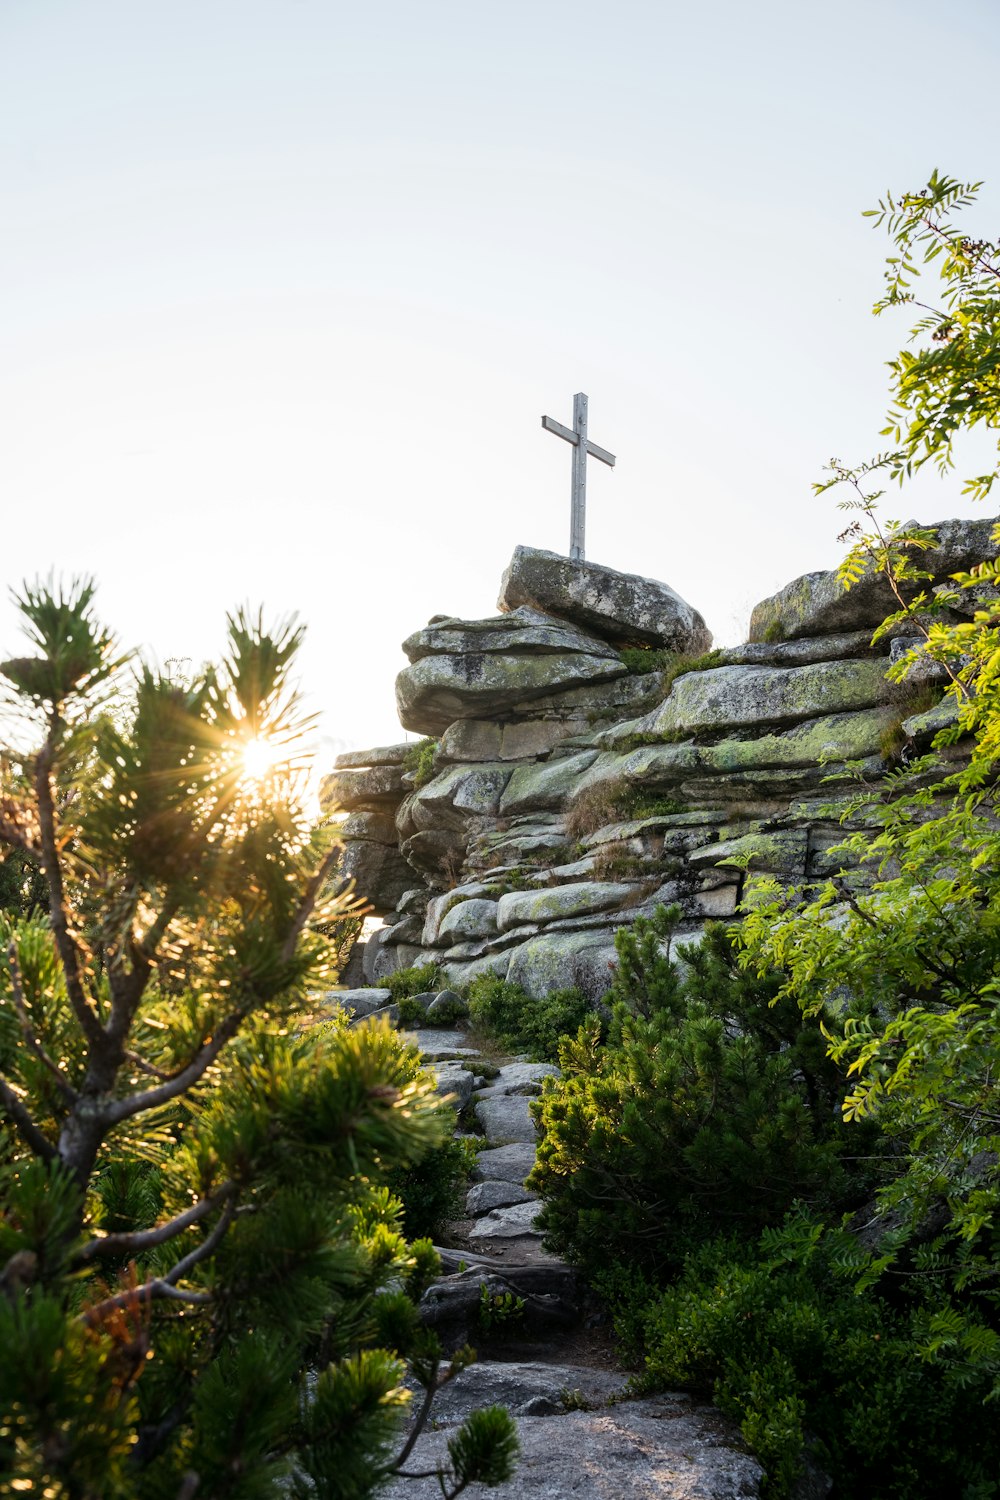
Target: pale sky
290,283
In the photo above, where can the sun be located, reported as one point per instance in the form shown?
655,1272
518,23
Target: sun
259,758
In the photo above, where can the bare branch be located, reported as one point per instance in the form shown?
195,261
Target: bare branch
145,1239
147,1067
67,1090
69,952
33,1137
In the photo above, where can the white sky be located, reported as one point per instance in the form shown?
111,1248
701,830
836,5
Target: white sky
289,284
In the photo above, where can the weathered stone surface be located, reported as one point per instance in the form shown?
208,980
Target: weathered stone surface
505,1163
561,960
382,755
561,901
468,919
781,852
437,690
439,906
506,1223
440,1046
458,793
660,1448
452,1078
733,697
833,737
363,1002
483,739
800,653
374,788
622,607
484,1196
524,1077
380,873
447,1007
522,631
549,785
921,728
818,602
505,1120
378,827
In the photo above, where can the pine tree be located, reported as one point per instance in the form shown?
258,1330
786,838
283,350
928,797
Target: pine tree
204,1286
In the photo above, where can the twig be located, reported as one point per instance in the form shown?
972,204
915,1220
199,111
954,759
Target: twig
69,953
166,1286
145,1239
39,1143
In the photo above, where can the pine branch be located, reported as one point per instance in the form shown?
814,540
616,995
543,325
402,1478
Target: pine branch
307,904
136,1104
69,953
67,1090
145,1239
26,1126
166,1286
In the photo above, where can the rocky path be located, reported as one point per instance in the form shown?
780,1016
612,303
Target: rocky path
582,1436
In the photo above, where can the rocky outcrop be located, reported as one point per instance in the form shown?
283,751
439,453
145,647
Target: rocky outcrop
818,603
620,607
570,795
583,1438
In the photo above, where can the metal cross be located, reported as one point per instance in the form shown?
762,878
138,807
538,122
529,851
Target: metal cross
581,447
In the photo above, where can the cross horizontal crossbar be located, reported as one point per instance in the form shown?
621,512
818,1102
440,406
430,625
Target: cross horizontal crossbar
567,433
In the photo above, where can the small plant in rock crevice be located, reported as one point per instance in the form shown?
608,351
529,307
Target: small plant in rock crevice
419,762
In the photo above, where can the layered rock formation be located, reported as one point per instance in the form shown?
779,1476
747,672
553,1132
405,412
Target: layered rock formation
572,790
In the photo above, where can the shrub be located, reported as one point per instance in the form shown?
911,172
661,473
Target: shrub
607,802
405,983
779,1337
522,1024
711,1108
431,1191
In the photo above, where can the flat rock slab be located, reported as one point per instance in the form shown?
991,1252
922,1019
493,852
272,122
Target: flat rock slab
436,1045
622,607
523,1077
505,1163
507,1223
452,1078
665,1448
507,1119
482,1197
363,1002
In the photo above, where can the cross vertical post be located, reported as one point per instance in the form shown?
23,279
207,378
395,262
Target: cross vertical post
578,498
582,449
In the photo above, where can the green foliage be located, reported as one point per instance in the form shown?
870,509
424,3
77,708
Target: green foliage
523,1024
22,885
418,980
951,382
419,762
711,1107
499,1312
672,664
778,1337
432,1190
199,1249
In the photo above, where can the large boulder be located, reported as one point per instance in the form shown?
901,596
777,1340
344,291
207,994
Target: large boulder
522,631
621,607
494,668
818,603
